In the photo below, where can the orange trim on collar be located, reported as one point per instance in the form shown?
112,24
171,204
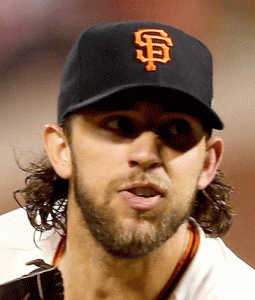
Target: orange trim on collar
60,251
190,252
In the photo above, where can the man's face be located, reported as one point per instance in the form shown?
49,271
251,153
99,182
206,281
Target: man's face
135,175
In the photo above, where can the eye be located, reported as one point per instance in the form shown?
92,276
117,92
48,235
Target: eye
178,134
120,125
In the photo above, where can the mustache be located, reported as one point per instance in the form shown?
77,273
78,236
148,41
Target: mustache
141,177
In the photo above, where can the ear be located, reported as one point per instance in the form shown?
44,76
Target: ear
58,150
214,153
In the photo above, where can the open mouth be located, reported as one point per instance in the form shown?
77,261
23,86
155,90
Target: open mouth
143,192
141,197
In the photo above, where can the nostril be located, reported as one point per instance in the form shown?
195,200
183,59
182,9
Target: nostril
133,163
154,165
144,164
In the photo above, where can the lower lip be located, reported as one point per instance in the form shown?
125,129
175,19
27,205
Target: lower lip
140,203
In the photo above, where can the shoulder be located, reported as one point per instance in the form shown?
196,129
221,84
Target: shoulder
216,273
19,243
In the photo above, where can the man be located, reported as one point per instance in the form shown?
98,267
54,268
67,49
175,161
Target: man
134,158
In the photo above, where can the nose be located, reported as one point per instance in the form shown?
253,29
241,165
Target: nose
144,151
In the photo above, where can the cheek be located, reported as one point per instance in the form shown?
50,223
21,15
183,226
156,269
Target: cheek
184,169
97,162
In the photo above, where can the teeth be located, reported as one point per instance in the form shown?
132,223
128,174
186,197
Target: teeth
144,192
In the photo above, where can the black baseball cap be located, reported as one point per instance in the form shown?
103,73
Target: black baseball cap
112,58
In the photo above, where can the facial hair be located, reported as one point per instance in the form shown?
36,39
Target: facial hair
111,234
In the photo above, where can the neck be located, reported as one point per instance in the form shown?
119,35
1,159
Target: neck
91,273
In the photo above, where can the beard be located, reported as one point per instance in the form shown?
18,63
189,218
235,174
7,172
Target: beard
118,240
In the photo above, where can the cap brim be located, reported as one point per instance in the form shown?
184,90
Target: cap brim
170,98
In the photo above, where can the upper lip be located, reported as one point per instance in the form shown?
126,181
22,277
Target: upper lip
154,187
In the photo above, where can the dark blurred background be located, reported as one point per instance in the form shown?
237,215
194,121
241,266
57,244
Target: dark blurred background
36,35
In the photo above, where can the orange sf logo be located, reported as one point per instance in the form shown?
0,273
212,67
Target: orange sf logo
157,43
